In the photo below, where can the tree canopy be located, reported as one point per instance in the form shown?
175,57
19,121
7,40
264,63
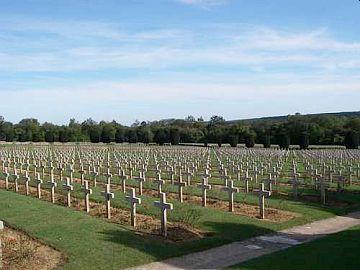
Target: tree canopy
302,130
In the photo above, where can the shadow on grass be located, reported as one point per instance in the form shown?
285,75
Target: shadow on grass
160,249
338,203
340,245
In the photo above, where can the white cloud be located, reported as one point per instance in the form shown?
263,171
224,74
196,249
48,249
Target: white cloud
211,68
127,101
84,46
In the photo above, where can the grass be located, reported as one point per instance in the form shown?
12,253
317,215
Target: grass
337,251
94,243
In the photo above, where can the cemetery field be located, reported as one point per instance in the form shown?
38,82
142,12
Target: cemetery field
117,206
338,251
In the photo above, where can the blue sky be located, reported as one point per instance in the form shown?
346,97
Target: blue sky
155,59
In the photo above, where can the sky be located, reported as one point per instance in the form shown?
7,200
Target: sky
128,60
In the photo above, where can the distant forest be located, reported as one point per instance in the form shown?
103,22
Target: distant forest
302,130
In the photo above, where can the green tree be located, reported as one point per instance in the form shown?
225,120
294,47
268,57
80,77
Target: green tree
120,135
284,141
304,141
175,136
144,134
352,140
131,135
108,133
160,136
250,140
95,134
267,141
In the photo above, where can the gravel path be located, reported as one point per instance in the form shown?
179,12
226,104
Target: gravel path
237,252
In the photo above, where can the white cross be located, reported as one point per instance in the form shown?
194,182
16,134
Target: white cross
164,206
133,202
108,196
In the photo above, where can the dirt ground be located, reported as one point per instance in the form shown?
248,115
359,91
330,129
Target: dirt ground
271,214
22,252
241,209
177,232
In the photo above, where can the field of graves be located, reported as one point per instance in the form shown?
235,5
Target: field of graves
117,206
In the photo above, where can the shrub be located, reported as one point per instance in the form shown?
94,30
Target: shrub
351,140
304,141
234,140
284,141
267,141
249,141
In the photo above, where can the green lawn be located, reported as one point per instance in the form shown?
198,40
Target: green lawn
337,251
95,243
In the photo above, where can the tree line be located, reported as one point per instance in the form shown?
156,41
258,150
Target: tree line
302,130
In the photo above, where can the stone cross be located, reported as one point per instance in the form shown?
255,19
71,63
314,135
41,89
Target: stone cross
164,206
68,187
317,178
133,202
238,171
141,179
87,191
35,169
323,187
71,171
275,174
230,189
295,183
256,172
131,171
262,194
16,181
38,182
188,176
52,185
330,172
26,179
171,174
204,187
108,196
123,178
206,174
350,171
269,181
51,170
108,176
21,166
224,176
95,174
60,169
7,175
159,182
42,167
180,185
246,180
82,174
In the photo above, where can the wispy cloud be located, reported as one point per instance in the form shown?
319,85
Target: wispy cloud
59,46
201,67
126,102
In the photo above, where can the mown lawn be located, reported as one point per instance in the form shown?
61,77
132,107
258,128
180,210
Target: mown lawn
94,243
337,251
